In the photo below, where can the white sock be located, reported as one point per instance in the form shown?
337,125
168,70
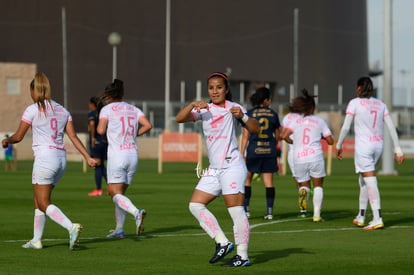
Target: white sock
317,201
119,218
53,212
363,196
208,222
38,225
374,196
241,229
124,203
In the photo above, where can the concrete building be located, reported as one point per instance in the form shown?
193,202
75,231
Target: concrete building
252,39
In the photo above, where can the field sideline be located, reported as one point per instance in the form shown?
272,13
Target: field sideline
173,242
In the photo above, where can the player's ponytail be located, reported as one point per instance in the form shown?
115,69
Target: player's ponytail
40,86
366,88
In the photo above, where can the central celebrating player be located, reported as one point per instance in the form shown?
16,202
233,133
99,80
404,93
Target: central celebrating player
227,171
120,121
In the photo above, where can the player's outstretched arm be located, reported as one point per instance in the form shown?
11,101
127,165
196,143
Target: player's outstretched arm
70,131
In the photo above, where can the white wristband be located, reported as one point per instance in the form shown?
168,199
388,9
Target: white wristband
245,118
398,151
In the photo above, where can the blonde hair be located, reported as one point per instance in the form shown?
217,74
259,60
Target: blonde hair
40,86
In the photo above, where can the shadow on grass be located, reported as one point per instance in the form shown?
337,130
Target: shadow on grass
338,214
265,256
131,237
403,221
173,229
84,242
327,215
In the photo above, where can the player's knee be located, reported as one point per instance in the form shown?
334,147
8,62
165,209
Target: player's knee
196,207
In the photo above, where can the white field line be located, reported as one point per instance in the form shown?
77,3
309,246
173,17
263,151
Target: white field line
251,227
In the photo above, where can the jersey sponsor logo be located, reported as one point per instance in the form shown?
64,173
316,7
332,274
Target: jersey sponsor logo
305,153
216,121
263,151
375,139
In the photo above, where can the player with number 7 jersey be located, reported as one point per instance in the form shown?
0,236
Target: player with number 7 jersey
370,115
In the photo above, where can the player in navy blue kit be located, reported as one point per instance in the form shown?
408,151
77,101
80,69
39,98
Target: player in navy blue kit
261,155
98,146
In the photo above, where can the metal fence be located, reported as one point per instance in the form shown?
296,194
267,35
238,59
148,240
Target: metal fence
403,116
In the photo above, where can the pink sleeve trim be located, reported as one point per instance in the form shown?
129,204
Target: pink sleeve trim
27,121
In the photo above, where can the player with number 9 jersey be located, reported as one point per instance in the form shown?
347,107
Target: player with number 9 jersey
49,122
48,128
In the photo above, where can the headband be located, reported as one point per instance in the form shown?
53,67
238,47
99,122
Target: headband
218,74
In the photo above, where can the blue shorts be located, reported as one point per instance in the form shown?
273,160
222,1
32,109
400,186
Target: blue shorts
100,151
261,165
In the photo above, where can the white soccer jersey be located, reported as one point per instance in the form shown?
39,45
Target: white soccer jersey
306,136
122,127
48,127
368,116
219,127
287,119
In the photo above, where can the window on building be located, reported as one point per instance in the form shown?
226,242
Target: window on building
13,86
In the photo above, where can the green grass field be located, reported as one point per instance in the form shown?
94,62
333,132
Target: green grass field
173,242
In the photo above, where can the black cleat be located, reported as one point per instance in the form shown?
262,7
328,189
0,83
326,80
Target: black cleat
237,261
221,252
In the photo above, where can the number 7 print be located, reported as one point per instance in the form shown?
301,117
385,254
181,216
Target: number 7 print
375,113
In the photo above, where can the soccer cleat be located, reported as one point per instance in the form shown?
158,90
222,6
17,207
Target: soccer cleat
359,221
139,219
317,219
303,194
373,225
221,252
113,234
33,245
74,235
95,193
237,261
302,214
256,177
268,217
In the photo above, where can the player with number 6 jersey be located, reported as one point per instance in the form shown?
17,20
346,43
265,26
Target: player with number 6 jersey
305,134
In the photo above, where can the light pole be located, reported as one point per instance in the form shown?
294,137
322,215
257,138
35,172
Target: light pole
114,39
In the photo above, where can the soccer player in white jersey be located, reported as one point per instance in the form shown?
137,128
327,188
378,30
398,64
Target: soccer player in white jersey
122,123
227,171
49,122
305,134
287,119
369,115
